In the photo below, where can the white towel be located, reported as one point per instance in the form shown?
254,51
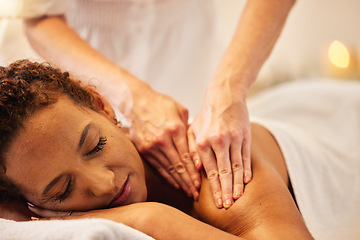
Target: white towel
84,229
317,126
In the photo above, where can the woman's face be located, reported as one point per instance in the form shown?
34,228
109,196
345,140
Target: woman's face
72,158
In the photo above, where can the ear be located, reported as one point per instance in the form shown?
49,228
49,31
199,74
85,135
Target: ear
102,105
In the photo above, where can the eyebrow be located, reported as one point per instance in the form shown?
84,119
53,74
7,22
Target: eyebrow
81,142
51,184
84,134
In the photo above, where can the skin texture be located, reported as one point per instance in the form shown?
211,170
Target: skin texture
265,211
164,139
97,178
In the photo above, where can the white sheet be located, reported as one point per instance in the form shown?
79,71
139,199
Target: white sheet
84,229
317,126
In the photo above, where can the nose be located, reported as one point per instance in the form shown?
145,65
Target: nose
101,181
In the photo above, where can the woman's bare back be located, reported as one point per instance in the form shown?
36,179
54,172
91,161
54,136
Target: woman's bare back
267,209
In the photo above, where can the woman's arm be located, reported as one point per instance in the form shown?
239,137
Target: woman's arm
14,210
155,219
221,130
161,222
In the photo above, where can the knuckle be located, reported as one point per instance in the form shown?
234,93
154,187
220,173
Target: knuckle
246,158
219,139
202,144
247,136
175,128
186,158
158,140
235,135
142,149
213,175
145,147
224,172
146,144
180,168
236,167
171,169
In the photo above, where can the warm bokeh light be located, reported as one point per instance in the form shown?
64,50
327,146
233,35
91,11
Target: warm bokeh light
339,55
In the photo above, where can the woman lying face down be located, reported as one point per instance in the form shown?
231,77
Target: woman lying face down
63,151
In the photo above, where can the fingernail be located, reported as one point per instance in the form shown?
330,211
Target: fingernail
196,196
30,204
186,157
197,163
219,203
197,184
228,203
247,178
34,218
237,191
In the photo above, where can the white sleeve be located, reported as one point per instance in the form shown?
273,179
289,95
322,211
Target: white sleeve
33,8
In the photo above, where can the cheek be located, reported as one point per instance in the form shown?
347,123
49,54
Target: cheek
37,200
122,151
123,159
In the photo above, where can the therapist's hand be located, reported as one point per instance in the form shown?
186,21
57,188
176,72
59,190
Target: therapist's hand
158,128
219,139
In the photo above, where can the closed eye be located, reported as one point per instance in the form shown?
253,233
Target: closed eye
68,190
99,146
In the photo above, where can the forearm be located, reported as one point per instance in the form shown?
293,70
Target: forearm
163,222
14,210
256,33
56,42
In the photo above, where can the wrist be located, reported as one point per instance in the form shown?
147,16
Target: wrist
124,89
230,81
235,72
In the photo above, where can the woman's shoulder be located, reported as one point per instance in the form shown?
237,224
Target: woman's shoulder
266,201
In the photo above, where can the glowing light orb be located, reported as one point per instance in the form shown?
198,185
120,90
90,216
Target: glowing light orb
339,55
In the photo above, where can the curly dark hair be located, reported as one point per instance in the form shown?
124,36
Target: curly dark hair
26,87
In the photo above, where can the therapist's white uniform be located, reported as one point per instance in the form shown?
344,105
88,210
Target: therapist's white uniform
170,44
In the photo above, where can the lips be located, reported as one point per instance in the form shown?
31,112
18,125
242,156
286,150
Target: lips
123,194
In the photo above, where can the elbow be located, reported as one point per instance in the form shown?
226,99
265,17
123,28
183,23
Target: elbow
31,23
34,23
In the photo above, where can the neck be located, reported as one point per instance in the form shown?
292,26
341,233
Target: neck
159,190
